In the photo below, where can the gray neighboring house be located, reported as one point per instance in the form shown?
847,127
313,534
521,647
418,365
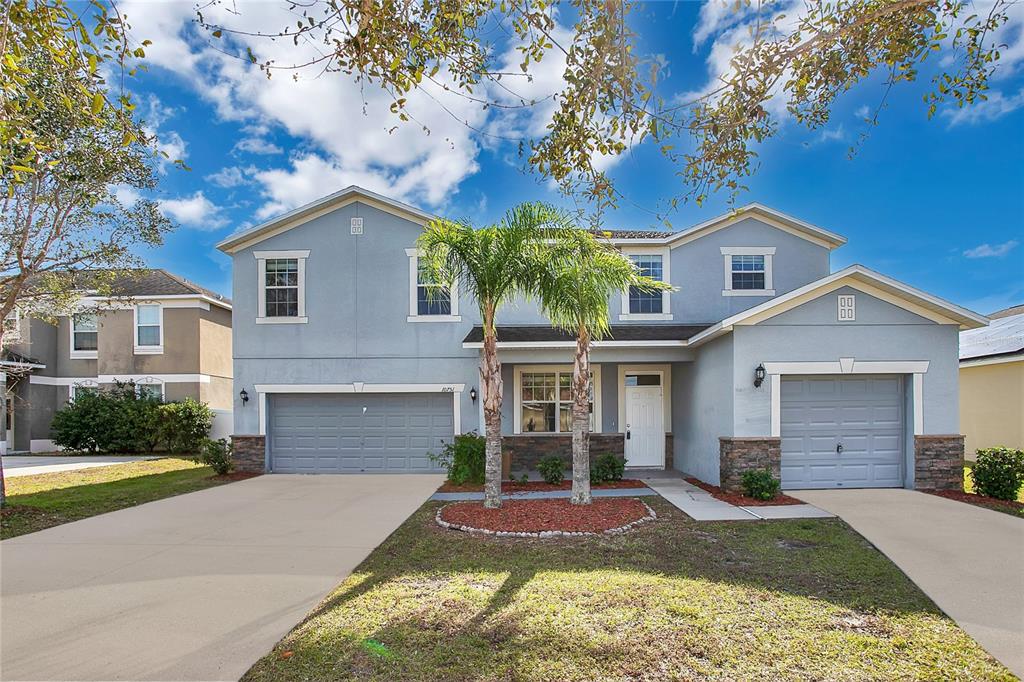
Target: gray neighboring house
169,336
762,357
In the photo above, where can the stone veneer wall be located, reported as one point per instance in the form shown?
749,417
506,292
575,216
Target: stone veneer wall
738,455
522,452
939,462
250,453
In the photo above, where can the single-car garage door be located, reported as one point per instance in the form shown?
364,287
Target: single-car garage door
357,432
842,431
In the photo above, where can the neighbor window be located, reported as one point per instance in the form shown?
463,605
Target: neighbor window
640,301
748,271
84,332
282,276
430,301
154,391
546,402
148,332
78,390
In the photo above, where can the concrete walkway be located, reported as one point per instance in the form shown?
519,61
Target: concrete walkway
969,560
29,465
194,587
701,506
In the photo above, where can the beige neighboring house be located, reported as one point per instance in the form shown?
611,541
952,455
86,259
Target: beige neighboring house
992,382
169,336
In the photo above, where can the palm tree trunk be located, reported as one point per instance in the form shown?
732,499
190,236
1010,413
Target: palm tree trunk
490,376
581,420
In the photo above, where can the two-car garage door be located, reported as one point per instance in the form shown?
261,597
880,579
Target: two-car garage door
842,431
357,432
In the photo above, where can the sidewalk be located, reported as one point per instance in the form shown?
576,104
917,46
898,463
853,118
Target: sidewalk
701,506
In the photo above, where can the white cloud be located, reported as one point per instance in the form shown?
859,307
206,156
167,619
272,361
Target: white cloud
862,111
126,194
988,251
171,144
195,211
232,176
996,106
256,145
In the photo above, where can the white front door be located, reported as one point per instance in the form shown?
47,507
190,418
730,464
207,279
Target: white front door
645,421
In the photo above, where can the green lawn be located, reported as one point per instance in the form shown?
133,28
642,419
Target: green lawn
673,600
45,500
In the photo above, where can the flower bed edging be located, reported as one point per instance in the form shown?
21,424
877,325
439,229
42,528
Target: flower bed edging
651,516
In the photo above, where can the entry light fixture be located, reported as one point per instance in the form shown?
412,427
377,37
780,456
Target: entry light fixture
244,395
472,394
759,376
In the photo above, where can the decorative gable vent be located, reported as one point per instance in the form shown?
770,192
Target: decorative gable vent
847,308
357,226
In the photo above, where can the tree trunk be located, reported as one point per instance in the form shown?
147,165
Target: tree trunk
581,420
490,377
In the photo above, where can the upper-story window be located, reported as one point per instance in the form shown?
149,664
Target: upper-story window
638,304
429,301
748,271
282,286
149,329
84,335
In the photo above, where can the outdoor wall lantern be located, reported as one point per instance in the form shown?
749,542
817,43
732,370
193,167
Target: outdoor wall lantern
244,395
759,376
472,394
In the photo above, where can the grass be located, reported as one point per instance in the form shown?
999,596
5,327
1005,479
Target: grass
46,500
674,600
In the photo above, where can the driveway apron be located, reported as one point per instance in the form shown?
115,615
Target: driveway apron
969,560
193,587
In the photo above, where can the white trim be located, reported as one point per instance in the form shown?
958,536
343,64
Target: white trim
453,295
861,278
147,350
526,345
300,257
666,276
845,366
846,308
154,378
769,255
990,360
665,371
83,354
169,300
517,386
457,411
57,381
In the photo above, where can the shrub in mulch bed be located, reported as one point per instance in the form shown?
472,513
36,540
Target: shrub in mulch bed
537,486
741,500
547,518
1007,506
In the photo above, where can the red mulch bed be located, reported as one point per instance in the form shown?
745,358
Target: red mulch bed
535,516
535,486
1008,506
741,500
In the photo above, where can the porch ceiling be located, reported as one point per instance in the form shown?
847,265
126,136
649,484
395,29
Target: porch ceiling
536,333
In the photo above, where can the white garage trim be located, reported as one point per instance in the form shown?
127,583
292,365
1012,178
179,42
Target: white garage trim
263,390
776,370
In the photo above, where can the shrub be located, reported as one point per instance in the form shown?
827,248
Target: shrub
216,454
999,473
760,484
184,425
607,467
463,459
552,469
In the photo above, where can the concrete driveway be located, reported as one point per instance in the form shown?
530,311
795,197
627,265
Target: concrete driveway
194,587
969,560
29,465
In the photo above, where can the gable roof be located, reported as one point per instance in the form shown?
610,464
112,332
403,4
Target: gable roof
314,209
160,282
1003,336
863,279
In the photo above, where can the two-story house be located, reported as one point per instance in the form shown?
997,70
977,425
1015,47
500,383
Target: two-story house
761,356
169,336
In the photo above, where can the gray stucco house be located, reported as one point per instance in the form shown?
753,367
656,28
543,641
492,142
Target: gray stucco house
761,357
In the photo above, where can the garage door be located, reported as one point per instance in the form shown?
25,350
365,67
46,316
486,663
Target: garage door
842,432
353,433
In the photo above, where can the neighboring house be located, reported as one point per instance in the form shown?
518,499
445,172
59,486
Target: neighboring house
992,382
349,366
171,337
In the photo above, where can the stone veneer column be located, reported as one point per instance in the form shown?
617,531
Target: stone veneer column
737,455
939,462
249,453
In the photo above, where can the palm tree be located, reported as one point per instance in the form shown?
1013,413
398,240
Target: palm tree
494,264
580,273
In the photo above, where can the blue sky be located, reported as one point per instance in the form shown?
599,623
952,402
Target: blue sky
938,204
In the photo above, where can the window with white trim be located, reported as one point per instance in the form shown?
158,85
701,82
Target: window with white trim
638,304
149,328
847,308
282,286
546,402
430,301
748,271
84,388
150,389
84,335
